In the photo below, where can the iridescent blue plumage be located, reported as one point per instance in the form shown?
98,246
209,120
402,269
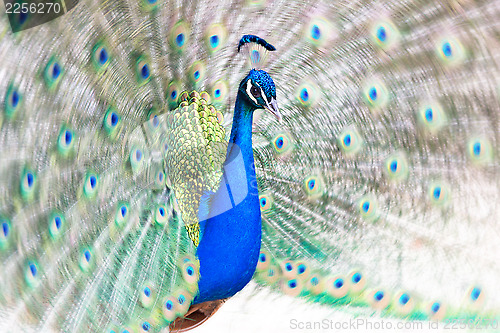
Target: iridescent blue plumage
375,194
230,242
255,39
264,81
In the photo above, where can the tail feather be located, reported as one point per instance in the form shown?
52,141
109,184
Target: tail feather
375,167
86,246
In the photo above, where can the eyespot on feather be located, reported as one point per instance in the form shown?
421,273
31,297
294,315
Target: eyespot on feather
439,193
149,5
162,215
86,260
53,73
143,70
357,281
288,269
385,34
316,284
271,275
122,214
282,144
65,141
396,167
307,93
319,32
179,36
169,308
379,299
479,150
172,94
404,303
32,273
368,207
90,185
450,51
136,158
190,274
292,287
215,37
56,225
431,117
111,123
337,287
183,301
475,297
313,187
303,270
28,184
375,95
5,233
148,295
13,102
100,56
350,141
219,92
197,73
263,261
265,202
437,310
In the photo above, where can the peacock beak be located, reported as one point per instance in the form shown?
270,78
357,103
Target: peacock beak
273,108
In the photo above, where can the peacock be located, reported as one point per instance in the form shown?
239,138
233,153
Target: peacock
158,155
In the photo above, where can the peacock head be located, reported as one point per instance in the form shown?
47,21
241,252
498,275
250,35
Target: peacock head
259,92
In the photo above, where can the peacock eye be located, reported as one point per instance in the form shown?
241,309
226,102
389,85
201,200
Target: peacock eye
255,91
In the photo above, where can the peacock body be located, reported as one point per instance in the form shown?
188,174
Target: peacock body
139,176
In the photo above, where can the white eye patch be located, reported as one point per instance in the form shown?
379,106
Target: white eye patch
249,93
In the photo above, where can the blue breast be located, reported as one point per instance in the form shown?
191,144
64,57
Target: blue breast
231,235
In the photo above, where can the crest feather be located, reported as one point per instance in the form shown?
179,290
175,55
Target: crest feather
256,48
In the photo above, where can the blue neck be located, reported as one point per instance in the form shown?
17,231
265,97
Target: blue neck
230,243
241,132
240,141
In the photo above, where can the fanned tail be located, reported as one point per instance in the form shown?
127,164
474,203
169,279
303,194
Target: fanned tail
380,189
90,239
